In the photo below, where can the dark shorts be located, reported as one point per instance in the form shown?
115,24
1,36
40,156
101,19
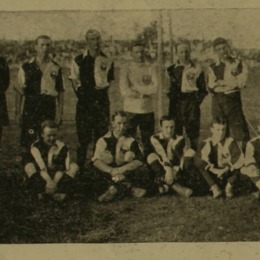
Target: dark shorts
36,110
230,107
186,113
92,122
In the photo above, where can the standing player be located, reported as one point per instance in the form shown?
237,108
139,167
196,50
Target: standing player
48,168
138,83
221,159
119,163
4,83
91,75
226,78
171,161
41,90
187,91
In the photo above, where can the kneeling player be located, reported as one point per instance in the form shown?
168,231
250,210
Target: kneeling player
48,166
221,159
171,160
252,162
118,162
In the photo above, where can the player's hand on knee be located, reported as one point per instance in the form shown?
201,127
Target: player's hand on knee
114,172
119,177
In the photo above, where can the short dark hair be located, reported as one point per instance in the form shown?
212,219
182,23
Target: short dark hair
92,31
219,41
183,42
218,120
118,113
45,37
165,118
49,124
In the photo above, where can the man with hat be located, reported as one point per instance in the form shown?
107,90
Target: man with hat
226,78
91,75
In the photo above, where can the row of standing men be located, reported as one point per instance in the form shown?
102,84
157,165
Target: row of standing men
40,93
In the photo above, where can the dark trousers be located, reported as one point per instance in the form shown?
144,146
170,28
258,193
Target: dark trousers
230,107
146,126
36,184
36,110
186,113
92,122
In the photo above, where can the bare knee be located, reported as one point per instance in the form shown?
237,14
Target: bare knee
129,156
152,157
30,169
73,170
189,153
106,157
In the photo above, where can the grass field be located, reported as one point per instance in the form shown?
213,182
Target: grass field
153,219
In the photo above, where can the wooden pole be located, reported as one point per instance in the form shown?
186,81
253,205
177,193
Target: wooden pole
160,64
171,36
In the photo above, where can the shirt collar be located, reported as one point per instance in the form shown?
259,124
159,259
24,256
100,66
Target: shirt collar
218,62
33,59
86,53
178,64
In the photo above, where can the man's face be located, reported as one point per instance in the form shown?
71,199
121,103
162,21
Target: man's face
119,125
167,128
93,41
222,50
183,52
218,132
138,54
43,46
49,135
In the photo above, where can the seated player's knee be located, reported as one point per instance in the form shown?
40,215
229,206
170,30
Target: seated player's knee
106,157
152,157
73,170
30,169
251,171
129,156
189,153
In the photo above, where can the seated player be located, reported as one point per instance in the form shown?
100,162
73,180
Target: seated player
221,159
252,162
118,162
48,166
171,160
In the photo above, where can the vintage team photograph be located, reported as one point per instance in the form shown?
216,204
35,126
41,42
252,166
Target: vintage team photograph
129,126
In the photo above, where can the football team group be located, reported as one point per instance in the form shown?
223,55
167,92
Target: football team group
169,161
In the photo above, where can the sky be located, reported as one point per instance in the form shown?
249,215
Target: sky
239,25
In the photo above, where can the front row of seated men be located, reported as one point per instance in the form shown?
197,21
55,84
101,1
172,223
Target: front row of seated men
120,169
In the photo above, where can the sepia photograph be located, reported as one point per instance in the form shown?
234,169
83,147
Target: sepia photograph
134,125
